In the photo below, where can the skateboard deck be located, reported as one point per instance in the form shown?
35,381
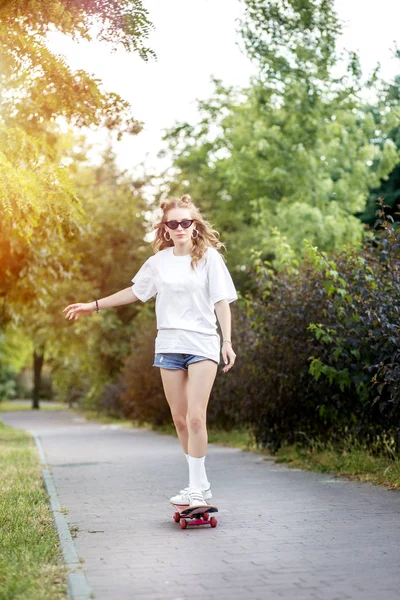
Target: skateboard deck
199,515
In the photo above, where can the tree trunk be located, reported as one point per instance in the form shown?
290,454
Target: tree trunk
38,357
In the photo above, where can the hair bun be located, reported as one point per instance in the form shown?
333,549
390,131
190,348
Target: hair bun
186,199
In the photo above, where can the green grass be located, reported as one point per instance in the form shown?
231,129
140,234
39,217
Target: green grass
239,437
94,415
7,406
354,463
31,564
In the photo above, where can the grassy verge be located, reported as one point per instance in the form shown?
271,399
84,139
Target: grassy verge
6,406
94,415
355,463
239,437
31,565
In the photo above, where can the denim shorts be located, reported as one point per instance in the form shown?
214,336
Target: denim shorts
172,360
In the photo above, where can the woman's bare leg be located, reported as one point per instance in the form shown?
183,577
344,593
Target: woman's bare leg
201,377
175,383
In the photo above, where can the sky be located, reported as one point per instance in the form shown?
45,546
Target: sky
195,40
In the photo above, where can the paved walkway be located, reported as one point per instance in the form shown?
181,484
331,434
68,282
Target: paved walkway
282,533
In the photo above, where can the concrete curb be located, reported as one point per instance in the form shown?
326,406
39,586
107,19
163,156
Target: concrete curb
78,587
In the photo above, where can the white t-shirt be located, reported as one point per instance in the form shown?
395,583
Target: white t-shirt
186,319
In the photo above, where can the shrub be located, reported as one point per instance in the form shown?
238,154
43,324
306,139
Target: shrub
110,400
142,396
325,363
8,386
228,403
361,338
279,403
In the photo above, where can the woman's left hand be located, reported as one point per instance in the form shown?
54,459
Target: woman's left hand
228,356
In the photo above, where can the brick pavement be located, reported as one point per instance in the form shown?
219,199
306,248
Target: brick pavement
282,533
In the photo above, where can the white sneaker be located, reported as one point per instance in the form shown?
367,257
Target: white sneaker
183,496
196,498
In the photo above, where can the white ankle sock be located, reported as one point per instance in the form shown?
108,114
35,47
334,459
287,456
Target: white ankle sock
197,473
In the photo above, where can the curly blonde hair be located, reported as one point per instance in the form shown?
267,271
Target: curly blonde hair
207,236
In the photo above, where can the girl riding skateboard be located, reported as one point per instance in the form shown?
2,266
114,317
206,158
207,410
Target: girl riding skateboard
192,286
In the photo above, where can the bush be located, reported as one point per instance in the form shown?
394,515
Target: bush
110,400
228,404
8,387
361,339
325,363
275,383
8,383
143,397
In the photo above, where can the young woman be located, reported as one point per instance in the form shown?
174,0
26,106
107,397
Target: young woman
192,284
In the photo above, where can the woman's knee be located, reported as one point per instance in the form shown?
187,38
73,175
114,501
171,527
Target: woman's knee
196,422
179,421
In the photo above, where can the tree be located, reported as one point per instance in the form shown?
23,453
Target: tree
105,251
88,354
389,188
38,208
14,353
38,203
40,213
293,152
38,86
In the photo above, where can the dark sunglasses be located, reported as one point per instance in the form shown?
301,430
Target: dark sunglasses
185,224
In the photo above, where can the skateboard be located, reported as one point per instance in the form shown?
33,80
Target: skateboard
200,515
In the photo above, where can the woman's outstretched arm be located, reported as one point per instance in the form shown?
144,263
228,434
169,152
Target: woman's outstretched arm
126,296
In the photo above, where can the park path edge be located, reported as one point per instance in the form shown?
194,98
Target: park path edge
78,586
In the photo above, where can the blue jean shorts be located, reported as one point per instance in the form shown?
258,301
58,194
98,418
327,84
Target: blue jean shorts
172,360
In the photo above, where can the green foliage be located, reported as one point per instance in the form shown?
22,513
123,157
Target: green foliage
38,86
38,203
228,406
142,396
45,230
105,248
88,354
296,150
389,188
15,350
38,207
12,359
293,38
8,386
362,350
324,362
